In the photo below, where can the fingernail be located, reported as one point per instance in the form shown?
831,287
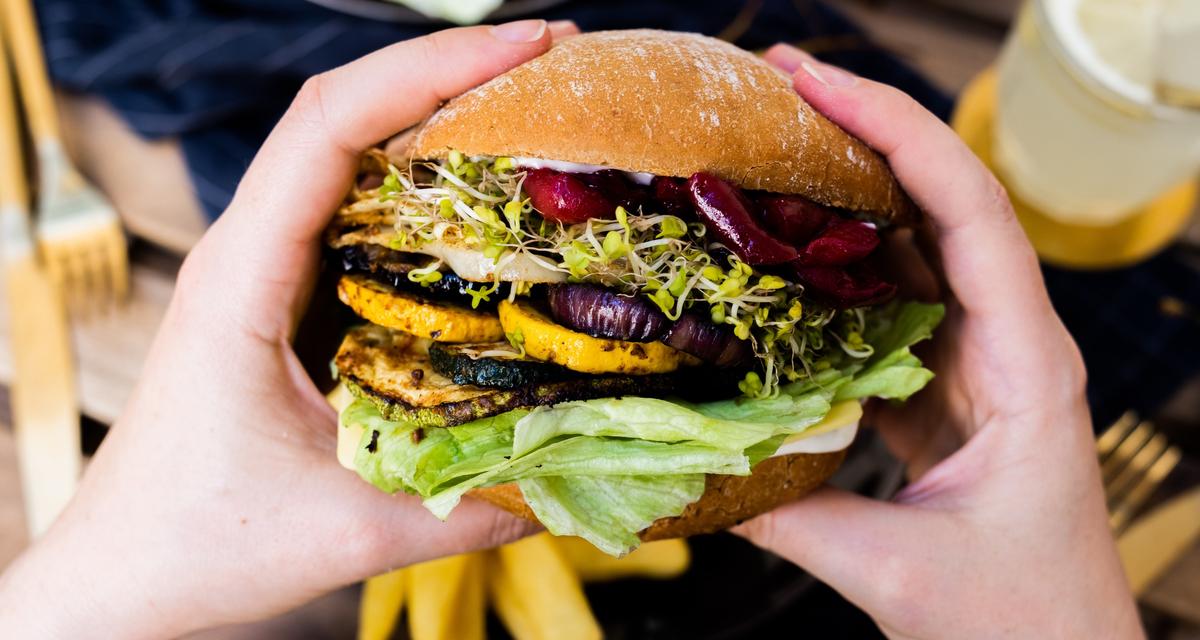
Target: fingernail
787,57
829,75
521,31
561,28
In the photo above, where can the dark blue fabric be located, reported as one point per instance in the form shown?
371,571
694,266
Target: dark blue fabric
217,74
1137,354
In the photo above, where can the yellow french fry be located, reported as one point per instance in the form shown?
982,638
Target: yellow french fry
445,598
380,604
661,559
537,595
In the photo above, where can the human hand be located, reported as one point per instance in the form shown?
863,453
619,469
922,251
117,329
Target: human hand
217,497
1002,532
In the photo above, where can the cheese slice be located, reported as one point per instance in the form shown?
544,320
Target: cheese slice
834,433
348,435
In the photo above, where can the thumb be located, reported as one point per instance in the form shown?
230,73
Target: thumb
869,551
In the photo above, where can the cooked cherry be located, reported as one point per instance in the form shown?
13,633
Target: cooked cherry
841,242
846,288
672,194
795,219
616,187
564,197
725,212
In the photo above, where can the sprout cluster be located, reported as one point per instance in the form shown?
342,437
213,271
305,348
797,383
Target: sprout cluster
479,201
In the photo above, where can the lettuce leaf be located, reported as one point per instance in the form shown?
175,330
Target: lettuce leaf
608,511
893,372
605,469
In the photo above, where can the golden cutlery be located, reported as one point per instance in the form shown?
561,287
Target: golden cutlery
79,234
1134,460
1155,541
45,413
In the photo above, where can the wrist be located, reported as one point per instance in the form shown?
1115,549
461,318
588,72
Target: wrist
76,589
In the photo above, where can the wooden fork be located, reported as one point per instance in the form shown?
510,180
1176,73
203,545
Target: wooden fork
79,233
44,408
1134,460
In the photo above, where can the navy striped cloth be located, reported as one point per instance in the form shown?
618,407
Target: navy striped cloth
217,74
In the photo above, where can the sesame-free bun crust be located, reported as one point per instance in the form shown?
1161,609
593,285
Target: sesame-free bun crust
727,500
670,104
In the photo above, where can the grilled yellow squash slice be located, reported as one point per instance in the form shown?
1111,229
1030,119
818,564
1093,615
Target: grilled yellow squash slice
547,340
389,307
393,370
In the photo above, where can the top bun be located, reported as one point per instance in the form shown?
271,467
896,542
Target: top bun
670,104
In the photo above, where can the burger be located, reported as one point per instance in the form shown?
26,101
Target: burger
631,289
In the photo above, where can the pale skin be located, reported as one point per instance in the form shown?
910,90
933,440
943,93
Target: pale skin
216,498
1003,531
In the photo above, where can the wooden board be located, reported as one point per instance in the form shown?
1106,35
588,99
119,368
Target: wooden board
947,47
110,347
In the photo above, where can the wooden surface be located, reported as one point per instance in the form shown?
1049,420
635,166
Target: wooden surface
45,412
947,47
110,348
149,185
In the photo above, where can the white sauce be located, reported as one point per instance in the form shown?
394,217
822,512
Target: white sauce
574,167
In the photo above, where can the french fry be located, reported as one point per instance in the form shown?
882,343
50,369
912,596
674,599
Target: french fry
537,595
445,598
380,604
661,559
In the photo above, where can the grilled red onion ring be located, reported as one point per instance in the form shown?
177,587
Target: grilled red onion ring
713,344
603,313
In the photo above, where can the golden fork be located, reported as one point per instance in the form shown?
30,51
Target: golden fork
79,234
1134,460
44,409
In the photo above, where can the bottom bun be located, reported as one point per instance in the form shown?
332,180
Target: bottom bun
727,500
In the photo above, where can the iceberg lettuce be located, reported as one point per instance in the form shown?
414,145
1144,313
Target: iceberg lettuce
605,469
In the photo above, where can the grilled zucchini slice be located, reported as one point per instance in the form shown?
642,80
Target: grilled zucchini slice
391,369
389,307
459,363
391,267
547,340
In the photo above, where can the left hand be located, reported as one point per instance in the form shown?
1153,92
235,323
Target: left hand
217,498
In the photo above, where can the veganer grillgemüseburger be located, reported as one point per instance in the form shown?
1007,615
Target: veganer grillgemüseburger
628,289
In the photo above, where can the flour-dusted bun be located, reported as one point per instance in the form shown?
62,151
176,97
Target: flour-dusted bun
670,104
727,500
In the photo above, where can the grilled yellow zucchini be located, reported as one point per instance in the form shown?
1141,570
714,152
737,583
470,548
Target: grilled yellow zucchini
547,340
395,309
393,371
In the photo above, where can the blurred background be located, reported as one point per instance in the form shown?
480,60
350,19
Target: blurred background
136,119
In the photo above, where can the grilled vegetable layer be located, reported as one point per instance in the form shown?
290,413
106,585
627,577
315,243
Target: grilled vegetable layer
463,364
547,340
389,307
393,371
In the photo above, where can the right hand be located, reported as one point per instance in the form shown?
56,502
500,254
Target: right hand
1003,531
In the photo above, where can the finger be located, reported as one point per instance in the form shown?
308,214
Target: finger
978,234
903,259
787,57
560,29
864,549
977,231
305,166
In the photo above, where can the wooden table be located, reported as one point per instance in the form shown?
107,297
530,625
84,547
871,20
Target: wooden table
950,44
